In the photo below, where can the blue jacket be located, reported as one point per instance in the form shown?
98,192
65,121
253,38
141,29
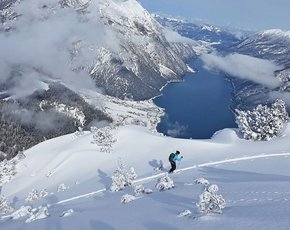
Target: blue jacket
177,158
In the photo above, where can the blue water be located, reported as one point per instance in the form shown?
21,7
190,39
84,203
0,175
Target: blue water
197,107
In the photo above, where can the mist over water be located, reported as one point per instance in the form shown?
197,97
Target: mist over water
197,107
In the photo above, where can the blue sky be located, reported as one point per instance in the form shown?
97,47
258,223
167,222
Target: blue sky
245,14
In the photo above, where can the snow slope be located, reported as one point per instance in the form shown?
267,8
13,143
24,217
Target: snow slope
253,178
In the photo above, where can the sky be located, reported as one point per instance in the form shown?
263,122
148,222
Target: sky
253,15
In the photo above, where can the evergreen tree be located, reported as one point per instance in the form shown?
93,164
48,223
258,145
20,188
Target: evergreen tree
122,177
210,201
263,123
5,207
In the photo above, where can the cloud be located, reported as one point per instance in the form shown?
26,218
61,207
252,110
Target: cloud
172,36
245,67
48,41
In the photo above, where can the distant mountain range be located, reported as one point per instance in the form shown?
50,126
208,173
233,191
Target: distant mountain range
220,38
269,44
272,45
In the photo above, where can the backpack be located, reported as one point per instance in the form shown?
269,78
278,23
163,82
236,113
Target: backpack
171,157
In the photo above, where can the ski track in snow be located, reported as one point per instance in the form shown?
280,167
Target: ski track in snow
150,178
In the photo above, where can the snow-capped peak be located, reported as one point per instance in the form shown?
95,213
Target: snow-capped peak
210,28
276,32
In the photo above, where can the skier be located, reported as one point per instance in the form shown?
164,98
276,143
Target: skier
173,157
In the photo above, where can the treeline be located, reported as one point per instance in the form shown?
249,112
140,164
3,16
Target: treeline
24,123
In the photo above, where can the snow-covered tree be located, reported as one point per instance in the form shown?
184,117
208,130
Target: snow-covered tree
78,133
210,201
164,183
184,213
127,198
41,213
202,181
104,138
23,211
139,190
62,188
263,123
5,207
36,195
122,177
66,213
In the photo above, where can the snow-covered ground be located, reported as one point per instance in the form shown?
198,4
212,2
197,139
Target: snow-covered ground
74,179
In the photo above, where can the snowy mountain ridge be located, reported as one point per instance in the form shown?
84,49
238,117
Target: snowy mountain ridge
273,45
217,37
120,49
62,47
276,32
268,44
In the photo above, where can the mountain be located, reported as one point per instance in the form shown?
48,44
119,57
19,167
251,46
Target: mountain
125,52
271,45
219,38
43,115
57,49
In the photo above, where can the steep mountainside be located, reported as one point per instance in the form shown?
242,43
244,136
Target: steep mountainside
118,43
271,45
53,49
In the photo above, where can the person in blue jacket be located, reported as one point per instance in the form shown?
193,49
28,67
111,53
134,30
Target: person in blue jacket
173,157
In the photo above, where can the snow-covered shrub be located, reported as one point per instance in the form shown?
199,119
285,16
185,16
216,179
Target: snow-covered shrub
201,181
7,171
127,198
78,133
41,213
8,168
5,207
62,188
67,213
23,211
139,189
131,175
104,138
210,201
36,195
263,123
32,213
164,183
148,191
122,177
43,193
20,156
184,213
